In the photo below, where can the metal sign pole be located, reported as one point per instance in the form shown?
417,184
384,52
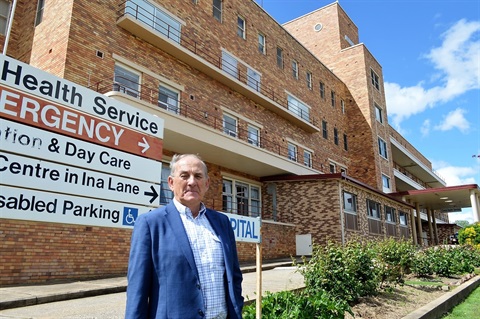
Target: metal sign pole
259,277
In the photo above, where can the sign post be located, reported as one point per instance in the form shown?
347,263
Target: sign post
248,229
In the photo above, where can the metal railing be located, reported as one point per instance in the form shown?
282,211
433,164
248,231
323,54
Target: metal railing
150,95
204,51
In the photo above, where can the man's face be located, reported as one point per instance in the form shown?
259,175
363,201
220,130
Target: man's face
189,184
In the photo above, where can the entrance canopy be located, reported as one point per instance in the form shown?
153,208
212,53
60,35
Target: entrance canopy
445,199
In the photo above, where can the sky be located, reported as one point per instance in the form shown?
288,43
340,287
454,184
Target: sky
429,51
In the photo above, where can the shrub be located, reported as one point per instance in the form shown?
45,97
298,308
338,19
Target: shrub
470,235
299,305
346,272
394,260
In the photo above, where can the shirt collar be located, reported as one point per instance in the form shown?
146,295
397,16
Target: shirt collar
186,211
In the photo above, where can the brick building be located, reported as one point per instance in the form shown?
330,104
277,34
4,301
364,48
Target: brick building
290,119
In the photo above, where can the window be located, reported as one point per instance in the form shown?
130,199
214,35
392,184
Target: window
374,219
390,220
253,135
4,13
40,9
240,198
298,108
333,98
292,152
386,184
324,129
322,90
295,69
241,27
349,202
374,79
333,168
253,79
342,104
373,209
382,148
217,10
168,99
166,195
261,43
307,158
154,17
345,142
229,125
280,57
390,214
335,136
126,81
229,64
378,113
402,217
309,80
350,210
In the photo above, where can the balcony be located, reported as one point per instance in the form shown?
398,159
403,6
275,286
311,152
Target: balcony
193,130
201,56
410,172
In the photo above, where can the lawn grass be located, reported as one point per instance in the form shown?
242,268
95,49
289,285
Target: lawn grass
468,308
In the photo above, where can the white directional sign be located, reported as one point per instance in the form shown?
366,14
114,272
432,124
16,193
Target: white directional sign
71,155
27,172
25,204
26,78
246,229
29,141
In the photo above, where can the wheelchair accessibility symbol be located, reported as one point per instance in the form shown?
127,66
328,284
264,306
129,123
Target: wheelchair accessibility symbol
130,214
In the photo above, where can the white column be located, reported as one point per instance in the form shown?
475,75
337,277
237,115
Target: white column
475,205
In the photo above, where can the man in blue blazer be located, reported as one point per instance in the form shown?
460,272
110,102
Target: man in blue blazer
183,258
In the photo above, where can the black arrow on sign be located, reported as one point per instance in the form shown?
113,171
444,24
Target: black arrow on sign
153,193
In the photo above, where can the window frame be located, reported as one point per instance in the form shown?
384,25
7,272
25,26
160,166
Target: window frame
390,214
4,17
280,60
295,69
256,140
354,203
333,98
228,127
236,199
39,12
308,158
298,108
386,180
322,90
382,148
335,136
228,66
309,80
173,95
378,113
262,43
241,27
345,142
217,9
124,83
377,209
325,129
405,215
375,79
292,151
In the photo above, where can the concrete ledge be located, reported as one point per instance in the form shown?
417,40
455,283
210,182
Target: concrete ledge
440,306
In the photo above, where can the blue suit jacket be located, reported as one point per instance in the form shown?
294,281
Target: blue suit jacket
163,281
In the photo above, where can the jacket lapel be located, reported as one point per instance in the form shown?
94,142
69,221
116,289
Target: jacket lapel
181,238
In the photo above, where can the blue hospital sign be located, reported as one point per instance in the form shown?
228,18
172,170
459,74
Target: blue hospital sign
246,229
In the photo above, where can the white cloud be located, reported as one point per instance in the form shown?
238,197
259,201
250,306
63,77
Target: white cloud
458,71
456,175
454,119
425,129
465,214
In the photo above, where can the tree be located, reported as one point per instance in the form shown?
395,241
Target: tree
462,223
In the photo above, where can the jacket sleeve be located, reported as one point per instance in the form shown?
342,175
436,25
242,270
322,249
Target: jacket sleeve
140,270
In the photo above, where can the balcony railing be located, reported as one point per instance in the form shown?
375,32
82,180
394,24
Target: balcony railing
410,175
204,51
150,95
